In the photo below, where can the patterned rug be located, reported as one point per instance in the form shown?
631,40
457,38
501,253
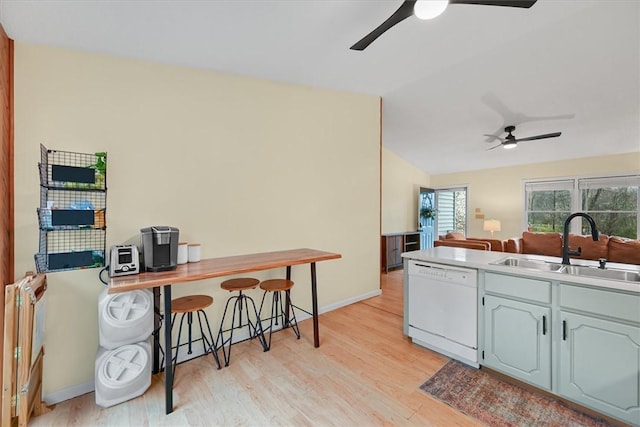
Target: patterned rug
498,403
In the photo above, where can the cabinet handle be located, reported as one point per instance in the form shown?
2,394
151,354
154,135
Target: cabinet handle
544,325
564,330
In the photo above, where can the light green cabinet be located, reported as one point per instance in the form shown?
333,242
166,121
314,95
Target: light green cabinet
579,342
599,350
517,327
517,340
600,365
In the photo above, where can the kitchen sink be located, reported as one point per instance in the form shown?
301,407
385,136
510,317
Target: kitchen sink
575,270
529,264
624,275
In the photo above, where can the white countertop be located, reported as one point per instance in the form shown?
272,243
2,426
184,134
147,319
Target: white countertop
483,260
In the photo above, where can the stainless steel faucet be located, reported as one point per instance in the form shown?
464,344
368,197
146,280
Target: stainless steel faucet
566,251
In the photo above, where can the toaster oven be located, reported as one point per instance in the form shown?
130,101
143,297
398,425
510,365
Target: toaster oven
124,260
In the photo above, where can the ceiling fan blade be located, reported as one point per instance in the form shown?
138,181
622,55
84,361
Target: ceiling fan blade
533,138
510,3
494,147
404,11
493,138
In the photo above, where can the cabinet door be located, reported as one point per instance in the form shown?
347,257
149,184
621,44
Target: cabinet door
600,365
394,251
517,340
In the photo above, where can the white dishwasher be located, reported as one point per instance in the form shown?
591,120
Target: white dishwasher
443,308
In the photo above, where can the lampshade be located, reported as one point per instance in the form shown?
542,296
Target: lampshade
429,9
491,225
509,145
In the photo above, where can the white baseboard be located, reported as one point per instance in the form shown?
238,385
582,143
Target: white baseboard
88,387
343,303
69,393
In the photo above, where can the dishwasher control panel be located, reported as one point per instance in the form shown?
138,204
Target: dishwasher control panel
443,273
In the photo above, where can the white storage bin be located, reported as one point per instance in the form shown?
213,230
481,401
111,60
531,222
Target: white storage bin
123,373
124,318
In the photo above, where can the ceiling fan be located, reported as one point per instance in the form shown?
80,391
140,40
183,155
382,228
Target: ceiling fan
428,9
511,141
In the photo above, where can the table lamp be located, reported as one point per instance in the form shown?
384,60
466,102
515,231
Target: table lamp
491,225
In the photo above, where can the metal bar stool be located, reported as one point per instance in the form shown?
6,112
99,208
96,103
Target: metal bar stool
277,310
187,306
240,305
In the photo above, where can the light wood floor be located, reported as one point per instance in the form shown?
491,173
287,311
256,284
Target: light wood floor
365,373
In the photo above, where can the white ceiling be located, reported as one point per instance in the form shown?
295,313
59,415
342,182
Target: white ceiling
563,65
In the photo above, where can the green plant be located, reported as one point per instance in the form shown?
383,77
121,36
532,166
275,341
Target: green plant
100,167
428,213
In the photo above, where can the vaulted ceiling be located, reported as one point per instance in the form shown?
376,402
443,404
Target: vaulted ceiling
562,65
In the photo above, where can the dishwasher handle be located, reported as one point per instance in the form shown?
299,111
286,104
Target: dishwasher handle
431,266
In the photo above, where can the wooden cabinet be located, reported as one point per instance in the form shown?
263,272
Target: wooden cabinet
411,242
391,251
393,245
517,337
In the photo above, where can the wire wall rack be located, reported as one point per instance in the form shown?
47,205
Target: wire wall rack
72,212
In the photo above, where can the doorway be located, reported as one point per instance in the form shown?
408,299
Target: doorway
451,205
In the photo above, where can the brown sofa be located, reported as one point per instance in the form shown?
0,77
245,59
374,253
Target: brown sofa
613,249
458,240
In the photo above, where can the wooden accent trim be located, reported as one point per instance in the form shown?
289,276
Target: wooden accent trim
6,160
219,267
6,177
380,182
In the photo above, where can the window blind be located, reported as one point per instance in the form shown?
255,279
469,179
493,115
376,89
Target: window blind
549,185
617,181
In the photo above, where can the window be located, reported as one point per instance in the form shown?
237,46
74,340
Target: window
613,202
451,205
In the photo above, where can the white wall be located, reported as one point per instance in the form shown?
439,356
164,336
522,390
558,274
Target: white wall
401,182
498,192
239,165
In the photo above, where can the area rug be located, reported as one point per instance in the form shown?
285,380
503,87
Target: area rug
497,403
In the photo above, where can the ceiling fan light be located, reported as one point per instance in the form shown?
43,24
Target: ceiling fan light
509,145
429,9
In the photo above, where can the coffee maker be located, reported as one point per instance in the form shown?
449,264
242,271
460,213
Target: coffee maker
160,248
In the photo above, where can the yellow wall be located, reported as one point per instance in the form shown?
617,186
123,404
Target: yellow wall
239,165
401,182
499,192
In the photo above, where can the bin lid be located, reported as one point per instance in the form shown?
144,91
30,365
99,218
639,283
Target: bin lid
123,365
127,306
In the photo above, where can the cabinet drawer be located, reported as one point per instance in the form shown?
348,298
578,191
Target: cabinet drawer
598,301
520,287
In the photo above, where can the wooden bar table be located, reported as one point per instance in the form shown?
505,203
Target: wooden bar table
212,268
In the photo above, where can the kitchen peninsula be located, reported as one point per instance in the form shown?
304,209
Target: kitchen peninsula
573,335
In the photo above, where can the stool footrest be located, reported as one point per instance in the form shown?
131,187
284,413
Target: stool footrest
241,304
208,344
278,311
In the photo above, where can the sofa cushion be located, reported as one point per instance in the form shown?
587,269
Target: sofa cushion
624,250
590,249
467,244
513,245
455,235
496,245
549,244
